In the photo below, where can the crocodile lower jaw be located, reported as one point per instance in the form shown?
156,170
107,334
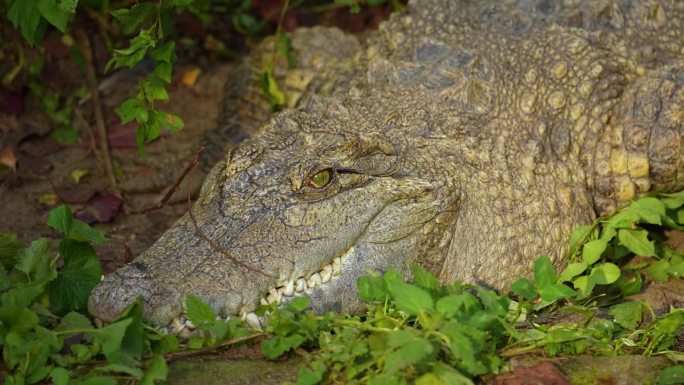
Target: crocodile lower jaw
283,292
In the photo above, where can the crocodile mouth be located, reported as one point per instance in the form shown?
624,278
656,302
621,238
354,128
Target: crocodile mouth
283,292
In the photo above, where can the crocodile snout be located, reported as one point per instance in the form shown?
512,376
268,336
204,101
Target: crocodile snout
123,287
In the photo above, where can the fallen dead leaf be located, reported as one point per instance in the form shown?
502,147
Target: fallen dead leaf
545,373
190,76
78,173
8,158
79,194
49,199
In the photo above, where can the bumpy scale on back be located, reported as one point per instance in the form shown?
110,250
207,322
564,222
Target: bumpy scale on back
468,136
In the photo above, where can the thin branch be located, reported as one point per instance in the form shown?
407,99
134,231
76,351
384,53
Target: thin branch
216,247
84,43
176,185
193,353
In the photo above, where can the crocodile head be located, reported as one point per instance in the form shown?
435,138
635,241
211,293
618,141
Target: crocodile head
303,208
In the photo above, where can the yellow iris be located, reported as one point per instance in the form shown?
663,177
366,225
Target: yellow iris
320,179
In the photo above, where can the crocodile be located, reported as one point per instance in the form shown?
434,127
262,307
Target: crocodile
465,137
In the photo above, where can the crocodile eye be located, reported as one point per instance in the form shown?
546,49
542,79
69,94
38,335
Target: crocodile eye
321,179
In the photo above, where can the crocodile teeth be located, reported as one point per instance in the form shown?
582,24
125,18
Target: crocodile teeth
314,280
252,320
326,273
337,266
289,289
273,296
300,285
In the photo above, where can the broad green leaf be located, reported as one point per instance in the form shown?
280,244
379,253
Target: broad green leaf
271,88
623,219
592,250
659,270
627,314
132,343
199,312
10,246
371,288
583,285
155,90
649,209
163,71
671,376
523,287
60,219
579,234
110,338
637,242
74,321
604,274
412,348
673,203
99,380
554,292
156,370
424,279
165,53
130,18
572,270
82,231
132,109
56,15
298,304
411,299
278,345
453,304
429,379
25,16
166,120
450,375
79,276
544,272
22,296
121,368
59,376
33,256
17,318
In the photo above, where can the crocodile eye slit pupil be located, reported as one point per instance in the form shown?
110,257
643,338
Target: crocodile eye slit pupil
321,179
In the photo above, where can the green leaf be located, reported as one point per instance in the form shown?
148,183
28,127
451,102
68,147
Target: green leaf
25,16
54,14
74,320
81,231
592,250
554,292
572,270
411,299
59,376
659,270
110,338
163,71
199,312
22,296
121,368
579,234
156,370
31,259
132,109
271,89
604,274
671,376
544,272
584,285
166,120
649,209
371,288
637,242
155,90
412,348
450,375
278,345
429,379
454,304
79,276
130,18
99,380
165,53
523,287
424,279
60,219
627,314
298,304
10,246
